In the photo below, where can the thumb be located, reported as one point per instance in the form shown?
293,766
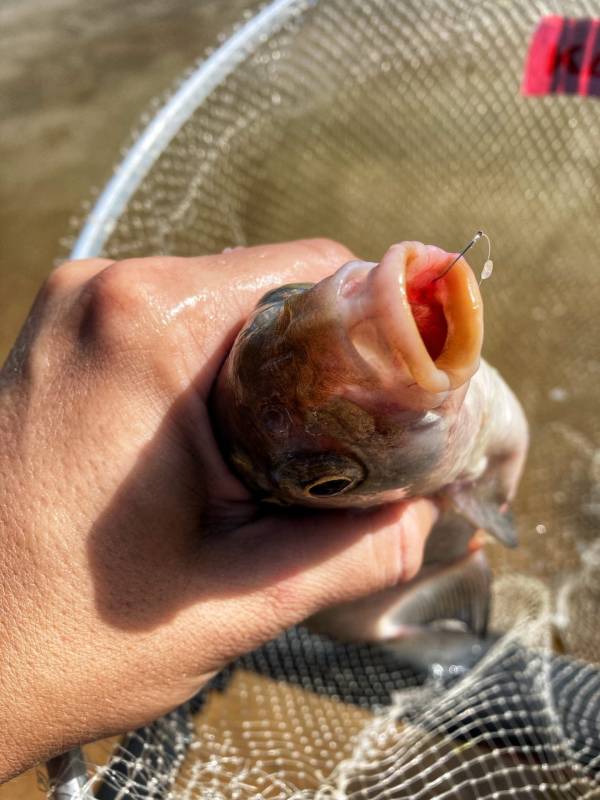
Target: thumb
283,569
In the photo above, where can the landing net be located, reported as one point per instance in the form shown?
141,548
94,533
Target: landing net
372,122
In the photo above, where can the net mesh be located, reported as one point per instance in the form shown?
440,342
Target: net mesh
372,122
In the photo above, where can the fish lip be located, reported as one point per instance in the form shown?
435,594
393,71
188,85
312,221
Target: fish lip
383,300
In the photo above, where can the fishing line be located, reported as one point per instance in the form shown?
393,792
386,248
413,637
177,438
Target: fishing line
488,266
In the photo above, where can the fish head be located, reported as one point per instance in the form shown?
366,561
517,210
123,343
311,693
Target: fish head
345,393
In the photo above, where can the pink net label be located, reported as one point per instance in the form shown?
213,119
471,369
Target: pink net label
564,58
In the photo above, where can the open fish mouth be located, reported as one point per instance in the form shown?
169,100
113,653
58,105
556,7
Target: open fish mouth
410,321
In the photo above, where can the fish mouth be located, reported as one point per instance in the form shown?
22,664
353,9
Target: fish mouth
409,314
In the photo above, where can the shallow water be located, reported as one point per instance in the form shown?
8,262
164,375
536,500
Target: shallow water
75,77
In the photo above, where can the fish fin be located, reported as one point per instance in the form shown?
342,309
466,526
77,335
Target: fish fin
481,506
447,594
440,595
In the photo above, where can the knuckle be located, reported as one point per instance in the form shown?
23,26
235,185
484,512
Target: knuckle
114,302
61,280
281,605
387,565
415,523
279,599
70,275
396,554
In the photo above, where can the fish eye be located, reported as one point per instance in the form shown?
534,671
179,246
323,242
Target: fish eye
329,486
316,475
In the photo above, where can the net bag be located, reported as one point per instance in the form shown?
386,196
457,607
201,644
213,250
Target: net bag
370,122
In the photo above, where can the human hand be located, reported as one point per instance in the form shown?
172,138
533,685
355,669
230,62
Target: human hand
133,564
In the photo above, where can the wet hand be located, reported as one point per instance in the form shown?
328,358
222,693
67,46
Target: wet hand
133,564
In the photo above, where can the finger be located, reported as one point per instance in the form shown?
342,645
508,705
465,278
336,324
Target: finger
303,260
197,305
228,285
256,270
280,571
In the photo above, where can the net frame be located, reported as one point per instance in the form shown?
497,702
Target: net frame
169,120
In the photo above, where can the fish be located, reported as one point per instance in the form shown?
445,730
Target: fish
368,388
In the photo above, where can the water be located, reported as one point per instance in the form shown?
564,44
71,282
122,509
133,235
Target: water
75,76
